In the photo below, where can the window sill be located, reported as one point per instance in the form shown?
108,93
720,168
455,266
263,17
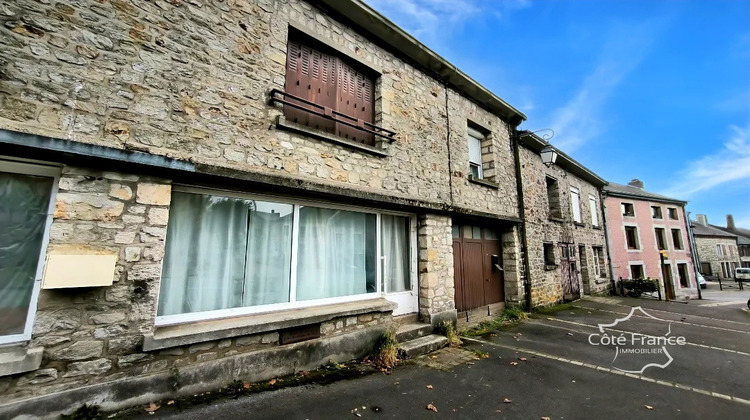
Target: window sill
199,332
597,227
579,224
484,182
20,359
548,267
556,219
284,124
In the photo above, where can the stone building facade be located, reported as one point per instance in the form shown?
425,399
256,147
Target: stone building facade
641,227
155,142
718,251
564,226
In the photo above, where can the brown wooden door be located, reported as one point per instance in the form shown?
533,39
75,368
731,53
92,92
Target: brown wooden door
569,274
477,281
666,271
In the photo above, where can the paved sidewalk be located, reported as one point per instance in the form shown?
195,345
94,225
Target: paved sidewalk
545,367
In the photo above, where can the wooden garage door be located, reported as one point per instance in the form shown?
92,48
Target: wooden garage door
476,261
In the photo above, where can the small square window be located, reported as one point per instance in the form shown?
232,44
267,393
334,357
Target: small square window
636,271
549,254
628,209
656,212
672,213
677,238
553,198
631,235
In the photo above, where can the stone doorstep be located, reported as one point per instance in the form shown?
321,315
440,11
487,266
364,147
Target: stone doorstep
473,317
19,359
407,332
422,345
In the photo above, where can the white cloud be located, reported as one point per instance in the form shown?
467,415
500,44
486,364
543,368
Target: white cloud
731,163
581,119
433,21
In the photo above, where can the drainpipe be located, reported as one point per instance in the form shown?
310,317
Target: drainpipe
693,250
522,216
602,196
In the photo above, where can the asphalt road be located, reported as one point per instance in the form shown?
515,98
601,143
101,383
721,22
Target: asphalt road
546,367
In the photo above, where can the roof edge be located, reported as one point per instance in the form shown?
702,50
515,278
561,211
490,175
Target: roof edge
361,16
646,197
536,143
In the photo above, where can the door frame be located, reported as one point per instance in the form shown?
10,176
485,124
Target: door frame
408,300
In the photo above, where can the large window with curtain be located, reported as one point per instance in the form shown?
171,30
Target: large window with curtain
25,215
229,254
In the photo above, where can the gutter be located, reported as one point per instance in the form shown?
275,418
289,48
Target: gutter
522,214
693,250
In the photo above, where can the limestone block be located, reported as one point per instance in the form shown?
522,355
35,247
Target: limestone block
158,216
156,194
80,350
95,206
93,367
123,192
108,318
59,320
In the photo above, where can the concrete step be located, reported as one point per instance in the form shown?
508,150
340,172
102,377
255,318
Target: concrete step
422,345
410,331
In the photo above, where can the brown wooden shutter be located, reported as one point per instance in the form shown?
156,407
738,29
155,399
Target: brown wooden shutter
355,100
308,76
326,80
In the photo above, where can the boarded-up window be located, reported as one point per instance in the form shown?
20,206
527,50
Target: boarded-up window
318,75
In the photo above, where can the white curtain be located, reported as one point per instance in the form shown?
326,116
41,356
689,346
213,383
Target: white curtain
336,253
269,254
225,253
24,200
395,243
204,263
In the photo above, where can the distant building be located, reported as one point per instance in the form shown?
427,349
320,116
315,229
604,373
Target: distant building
640,225
719,249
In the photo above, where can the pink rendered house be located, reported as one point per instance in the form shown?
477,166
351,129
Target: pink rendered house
640,224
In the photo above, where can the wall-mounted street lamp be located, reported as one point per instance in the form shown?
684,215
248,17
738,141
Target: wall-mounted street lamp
549,155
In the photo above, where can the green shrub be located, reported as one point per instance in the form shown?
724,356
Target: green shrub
447,329
636,287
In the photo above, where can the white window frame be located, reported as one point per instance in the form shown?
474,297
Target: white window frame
27,167
718,250
475,136
594,213
575,204
166,320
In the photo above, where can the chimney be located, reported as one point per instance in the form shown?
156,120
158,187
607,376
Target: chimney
702,219
730,222
636,183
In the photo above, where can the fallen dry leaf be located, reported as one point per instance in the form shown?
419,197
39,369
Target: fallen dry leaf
170,402
549,318
429,386
272,382
246,385
523,359
570,333
513,363
152,407
434,357
431,407
648,407
507,400
544,418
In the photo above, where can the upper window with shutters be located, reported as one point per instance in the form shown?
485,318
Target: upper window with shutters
326,91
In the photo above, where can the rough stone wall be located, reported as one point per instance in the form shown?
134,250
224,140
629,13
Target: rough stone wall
707,252
546,280
436,287
498,161
512,266
191,80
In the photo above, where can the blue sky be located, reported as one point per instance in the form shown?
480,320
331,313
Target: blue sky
652,89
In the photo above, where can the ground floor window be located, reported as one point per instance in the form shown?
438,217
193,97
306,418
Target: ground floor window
682,271
600,267
636,271
25,214
226,252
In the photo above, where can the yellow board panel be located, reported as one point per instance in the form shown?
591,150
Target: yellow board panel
64,271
